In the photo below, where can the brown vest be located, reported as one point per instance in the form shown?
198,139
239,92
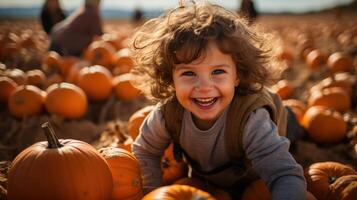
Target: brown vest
237,116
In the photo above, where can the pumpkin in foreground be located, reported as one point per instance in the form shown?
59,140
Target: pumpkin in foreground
178,192
59,170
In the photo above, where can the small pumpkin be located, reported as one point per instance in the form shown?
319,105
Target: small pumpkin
100,53
283,88
66,100
125,171
334,97
96,82
136,119
178,192
59,169
324,125
123,87
340,61
7,86
16,75
35,77
26,100
123,63
315,59
51,62
321,175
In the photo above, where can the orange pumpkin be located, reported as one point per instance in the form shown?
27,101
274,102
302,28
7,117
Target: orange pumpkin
205,186
315,59
100,53
96,82
283,88
59,169
344,188
125,171
35,77
7,86
340,61
66,100
16,75
26,100
51,62
334,97
320,176
66,64
123,87
177,192
123,63
137,119
172,170
343,80
324,125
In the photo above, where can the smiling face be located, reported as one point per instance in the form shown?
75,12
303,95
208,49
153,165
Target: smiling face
205,87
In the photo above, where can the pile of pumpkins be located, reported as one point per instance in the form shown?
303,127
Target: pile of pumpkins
64,84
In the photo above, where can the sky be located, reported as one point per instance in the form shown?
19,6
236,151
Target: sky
261,5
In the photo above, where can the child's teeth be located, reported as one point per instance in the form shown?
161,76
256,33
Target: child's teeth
205,100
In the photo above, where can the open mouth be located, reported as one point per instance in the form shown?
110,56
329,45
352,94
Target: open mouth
205,102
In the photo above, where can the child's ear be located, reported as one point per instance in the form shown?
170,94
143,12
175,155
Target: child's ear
236,83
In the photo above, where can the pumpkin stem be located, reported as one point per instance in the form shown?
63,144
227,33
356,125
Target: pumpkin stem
53,142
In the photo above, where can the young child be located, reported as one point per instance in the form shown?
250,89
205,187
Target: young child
208,70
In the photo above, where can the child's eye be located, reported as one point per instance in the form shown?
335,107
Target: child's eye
188,73
218,71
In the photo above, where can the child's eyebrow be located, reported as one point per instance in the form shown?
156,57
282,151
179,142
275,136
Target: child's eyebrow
189,67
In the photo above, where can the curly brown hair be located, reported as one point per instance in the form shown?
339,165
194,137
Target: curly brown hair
186,31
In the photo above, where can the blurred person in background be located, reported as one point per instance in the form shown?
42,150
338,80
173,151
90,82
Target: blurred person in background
74,34
138,17
51,14
247,10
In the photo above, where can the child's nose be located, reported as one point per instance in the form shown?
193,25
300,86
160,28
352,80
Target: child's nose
204,83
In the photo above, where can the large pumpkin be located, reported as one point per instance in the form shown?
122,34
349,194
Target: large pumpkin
320,176
59,169
324,125
26,100
125,171
96,82
137,119
178,192
66,100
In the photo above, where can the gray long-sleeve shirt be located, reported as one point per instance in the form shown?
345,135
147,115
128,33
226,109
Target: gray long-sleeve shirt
267,151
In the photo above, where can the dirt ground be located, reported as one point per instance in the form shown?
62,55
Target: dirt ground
17,134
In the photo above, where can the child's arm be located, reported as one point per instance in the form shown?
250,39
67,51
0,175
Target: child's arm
148,148
271,159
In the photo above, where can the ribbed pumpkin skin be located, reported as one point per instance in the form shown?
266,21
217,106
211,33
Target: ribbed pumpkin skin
66,100
178,192
96,82
26,101
72,172
125,171
320,176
